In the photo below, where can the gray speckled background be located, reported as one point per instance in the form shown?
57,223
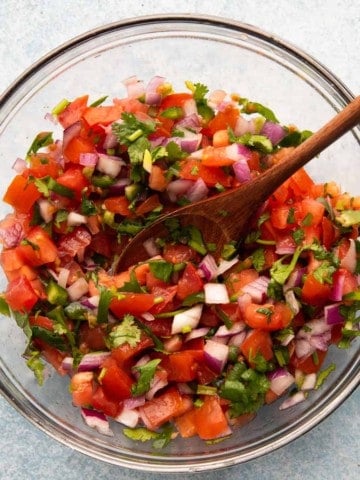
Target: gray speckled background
328,30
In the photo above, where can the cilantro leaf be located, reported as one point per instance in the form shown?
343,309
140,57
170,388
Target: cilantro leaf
142,434
35,364
126,332
161,269
41,140
258,259
324,272
130,129
147,373
132,285
280,271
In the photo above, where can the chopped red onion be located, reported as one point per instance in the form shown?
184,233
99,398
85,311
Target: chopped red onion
317,326
292,301
190,107
19,165
67,364
216,97
184,389
173,344
349,261
280,380
243,301
69,133
134,402
128,417
51,118
309,382
79,288
223,340
178,188
88,159
332,314
63,277
242,171
287,339
238,152
208,267
293,400
236,328
118,188
190,143
197,333
157,383
189,319
273,131
92,361
243,126
257,289
237,340
198,191
285,247
303,348
336,293
152,95
190,121
96,420
109,165
216,355
294,279
321,342
135,88
216,293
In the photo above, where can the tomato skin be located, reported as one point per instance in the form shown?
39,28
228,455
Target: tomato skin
189,283
74,179
101,402
125,353
280,317
115,381
210,421
81,387
73,112
41,321
20,295
237,280
102,114
41,249
309,365
223,120
74,242
175,100
192,169
133,303
257,342
181,366
179,253
118,205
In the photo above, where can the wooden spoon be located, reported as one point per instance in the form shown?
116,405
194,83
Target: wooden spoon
226,217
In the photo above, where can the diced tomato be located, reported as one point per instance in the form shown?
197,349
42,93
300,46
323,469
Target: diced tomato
102,114
314,292
101,402
223,119
42,165
118,205
185,423
267,316
328,233
237,280
101,243
52,355
311,364
11,259
157,179
73,112
257,342
209,317
41,321
91,338
181,366
270,397
301,183
216,157
74,179
21,194
347,280
210,420
40,248
163,408
205,375
148,205
76,147
81,387
74,242
20,295
124,353
309,212
189,283
178,253
161,327
279,216
221,138
133,303
115,381
192,169
175,100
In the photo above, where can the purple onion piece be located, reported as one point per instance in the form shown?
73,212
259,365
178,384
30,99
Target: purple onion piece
216,355
92,361
273,131
96,420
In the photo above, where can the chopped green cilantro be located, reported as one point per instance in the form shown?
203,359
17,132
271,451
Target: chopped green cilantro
142,434
35,364
161,269
125,332
280,271
106,296
147,373
258,259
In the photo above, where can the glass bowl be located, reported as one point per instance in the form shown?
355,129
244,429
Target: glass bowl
221,54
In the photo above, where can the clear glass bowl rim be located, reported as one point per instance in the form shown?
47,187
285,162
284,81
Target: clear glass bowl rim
60,433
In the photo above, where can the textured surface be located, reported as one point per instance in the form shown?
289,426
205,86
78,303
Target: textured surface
328,31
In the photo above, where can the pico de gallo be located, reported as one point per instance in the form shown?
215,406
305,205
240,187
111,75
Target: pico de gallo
183,343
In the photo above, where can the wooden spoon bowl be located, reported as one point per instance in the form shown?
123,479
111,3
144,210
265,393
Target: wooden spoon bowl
227,216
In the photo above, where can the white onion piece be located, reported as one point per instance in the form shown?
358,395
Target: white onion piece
216,293
243,126
225,265
280,380
79,288
349,261
63,277
151,247
216,355
109,165
178,188
96,420
173,344
189,319
152,95
129,418
236,328
293,400
294,279
303,348
134,402
257,289
237,340
243,301
189,107
135,88
287,339
184,389
157,384
197,333
309,382
292,301
67,364
149,317
317,326
216,97
74,219
46,209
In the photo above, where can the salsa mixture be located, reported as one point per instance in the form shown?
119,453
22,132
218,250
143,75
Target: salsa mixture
183,343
